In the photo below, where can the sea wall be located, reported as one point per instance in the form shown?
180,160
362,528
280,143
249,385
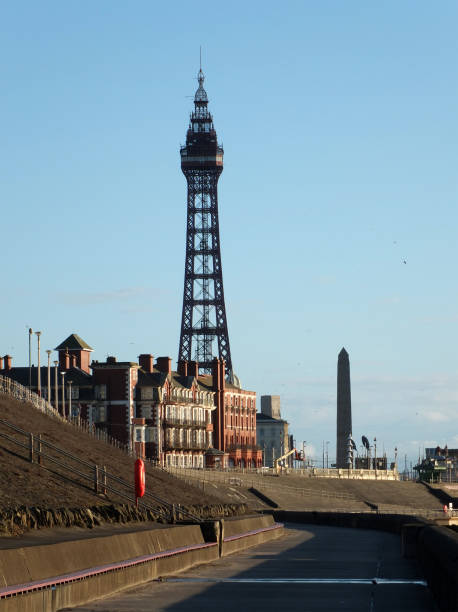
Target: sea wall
434,547
71,573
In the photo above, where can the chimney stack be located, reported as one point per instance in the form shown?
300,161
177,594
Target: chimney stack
8,359
183,367
1,363
193,369
146,362
164,364
216,374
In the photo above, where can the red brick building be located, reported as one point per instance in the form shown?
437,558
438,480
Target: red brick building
177,410
235,420
178,418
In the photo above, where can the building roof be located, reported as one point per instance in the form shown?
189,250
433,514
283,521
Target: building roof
156,378
207,380
260,416
21,376
214,451
111,363
73,342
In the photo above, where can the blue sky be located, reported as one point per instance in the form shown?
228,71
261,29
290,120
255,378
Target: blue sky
339,124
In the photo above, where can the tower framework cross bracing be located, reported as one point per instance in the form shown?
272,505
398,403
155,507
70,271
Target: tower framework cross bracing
204,333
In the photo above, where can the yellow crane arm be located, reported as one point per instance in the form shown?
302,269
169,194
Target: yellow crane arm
293,450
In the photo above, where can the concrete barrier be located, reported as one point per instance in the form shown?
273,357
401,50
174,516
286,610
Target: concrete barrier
435,547
239,534
362,520
437,550
74,572
70,573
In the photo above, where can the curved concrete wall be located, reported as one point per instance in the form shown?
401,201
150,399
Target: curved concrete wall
168,551
436,548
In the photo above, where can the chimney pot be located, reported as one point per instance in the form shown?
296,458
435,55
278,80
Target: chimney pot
8,359
164,364
146,362
183,367
193,369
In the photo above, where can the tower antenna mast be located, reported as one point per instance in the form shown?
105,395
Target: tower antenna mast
204,333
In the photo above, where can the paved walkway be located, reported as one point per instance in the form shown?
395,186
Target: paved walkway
311,568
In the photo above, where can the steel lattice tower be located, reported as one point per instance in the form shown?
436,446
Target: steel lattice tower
203,323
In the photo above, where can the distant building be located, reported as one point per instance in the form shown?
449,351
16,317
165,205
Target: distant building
370,463
178,418
234,418
440,465
270,406
272,431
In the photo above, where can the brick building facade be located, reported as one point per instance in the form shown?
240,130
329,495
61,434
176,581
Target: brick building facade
178,418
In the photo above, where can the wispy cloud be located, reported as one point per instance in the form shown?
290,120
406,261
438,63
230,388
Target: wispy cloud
437,417
122,295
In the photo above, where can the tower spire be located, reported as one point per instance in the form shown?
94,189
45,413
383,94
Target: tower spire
204,333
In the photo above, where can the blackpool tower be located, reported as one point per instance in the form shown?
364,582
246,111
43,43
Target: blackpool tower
204,334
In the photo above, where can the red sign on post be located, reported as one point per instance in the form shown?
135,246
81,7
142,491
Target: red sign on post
139,479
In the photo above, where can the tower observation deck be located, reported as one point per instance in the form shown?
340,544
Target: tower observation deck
204,332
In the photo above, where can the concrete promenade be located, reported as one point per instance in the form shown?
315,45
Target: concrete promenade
311,568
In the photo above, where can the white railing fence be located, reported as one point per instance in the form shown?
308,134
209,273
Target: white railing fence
12,388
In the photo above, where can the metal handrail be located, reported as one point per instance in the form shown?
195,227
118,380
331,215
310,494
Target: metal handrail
157,499
18,391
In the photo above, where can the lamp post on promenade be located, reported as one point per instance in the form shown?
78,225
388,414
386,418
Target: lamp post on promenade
38,334
30,357
56,387
69,383
375,456
63,395
48,393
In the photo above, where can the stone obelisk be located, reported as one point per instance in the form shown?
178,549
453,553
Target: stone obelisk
343,408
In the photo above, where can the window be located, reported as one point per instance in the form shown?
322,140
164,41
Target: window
100,392
147,393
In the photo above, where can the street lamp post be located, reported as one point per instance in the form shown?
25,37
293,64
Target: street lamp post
375,456
56,387
327,455
63,395
30,358
48,352
38,334
69,400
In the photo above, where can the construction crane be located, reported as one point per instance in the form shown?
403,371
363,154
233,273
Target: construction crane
283,457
